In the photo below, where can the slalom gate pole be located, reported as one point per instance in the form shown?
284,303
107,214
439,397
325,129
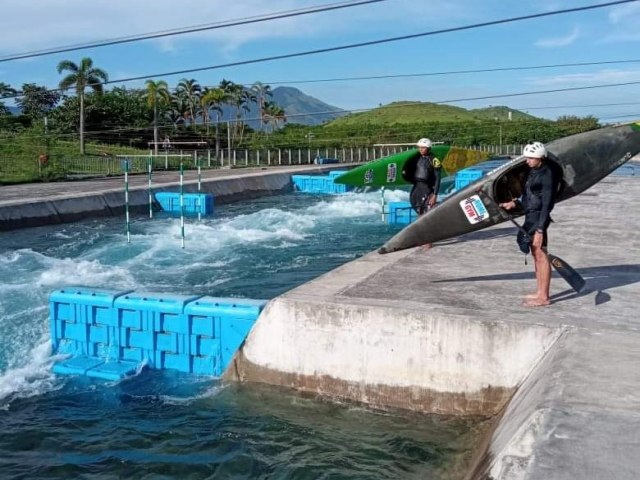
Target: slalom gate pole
199,187
149,168
126,199
182,204
382,202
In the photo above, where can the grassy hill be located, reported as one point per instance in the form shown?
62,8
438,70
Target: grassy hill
420,112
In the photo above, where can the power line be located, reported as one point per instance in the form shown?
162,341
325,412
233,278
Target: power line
191,29
455,72
361,44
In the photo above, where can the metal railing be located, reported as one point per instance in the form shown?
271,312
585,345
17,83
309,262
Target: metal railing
58,167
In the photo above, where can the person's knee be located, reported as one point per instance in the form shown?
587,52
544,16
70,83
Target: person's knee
537,253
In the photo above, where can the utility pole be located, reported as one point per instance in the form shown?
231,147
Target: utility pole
229,139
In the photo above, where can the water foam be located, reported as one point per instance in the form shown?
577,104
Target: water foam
33,378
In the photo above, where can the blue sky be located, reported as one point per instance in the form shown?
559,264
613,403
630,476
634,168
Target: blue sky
606,34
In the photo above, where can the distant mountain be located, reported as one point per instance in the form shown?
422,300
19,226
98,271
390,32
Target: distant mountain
417,112
297,105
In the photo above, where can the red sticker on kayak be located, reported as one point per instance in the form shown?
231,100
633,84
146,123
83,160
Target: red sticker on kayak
474,209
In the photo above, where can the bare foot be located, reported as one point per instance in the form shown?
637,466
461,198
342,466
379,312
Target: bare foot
426,246
531,296
536,302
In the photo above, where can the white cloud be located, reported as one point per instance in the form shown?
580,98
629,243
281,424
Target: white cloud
556,42
622,13
625,20
586,79
31,24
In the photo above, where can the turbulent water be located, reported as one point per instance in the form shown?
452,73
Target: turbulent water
166,425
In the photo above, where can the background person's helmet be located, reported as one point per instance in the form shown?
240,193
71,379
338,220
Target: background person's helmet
534,150
424,142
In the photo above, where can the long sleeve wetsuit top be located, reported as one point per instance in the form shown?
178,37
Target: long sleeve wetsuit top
428,171
539,195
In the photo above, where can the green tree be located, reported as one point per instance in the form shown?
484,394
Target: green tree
5,90
36,101
157,96
213,99
570,124
82,76
273,114
189,91
261,92
236,99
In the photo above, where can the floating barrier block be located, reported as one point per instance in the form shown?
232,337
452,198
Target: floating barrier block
318,184
146,322
194,203
78,315
76,365
226,319
113,370
400,213
469,175
112,334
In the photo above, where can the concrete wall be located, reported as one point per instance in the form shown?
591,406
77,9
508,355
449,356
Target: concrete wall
110,202
315,340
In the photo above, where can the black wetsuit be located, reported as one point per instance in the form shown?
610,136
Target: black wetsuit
538,200
426,181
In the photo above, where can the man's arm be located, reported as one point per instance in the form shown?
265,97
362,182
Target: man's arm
438,174
547,196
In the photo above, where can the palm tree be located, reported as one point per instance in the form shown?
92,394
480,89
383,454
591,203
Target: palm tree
261,92
5,89
189,91
157,95
273,113
178,112
213,99
82,76
236,98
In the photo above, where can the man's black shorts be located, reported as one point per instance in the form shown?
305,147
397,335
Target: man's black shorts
419,197
530,225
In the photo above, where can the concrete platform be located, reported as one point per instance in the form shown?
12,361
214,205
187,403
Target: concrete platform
443,330
36,204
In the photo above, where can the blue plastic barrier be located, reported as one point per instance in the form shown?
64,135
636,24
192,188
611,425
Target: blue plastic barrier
194,203
319,183
111,334
469,175
400,213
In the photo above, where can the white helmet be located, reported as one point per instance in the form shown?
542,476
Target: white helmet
534,150
424,142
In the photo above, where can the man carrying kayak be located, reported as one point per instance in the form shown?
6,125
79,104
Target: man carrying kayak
426,181
537,200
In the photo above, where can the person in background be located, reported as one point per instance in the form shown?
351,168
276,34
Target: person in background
426,181
537,200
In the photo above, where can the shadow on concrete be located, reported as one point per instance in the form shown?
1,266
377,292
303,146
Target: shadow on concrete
599,279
